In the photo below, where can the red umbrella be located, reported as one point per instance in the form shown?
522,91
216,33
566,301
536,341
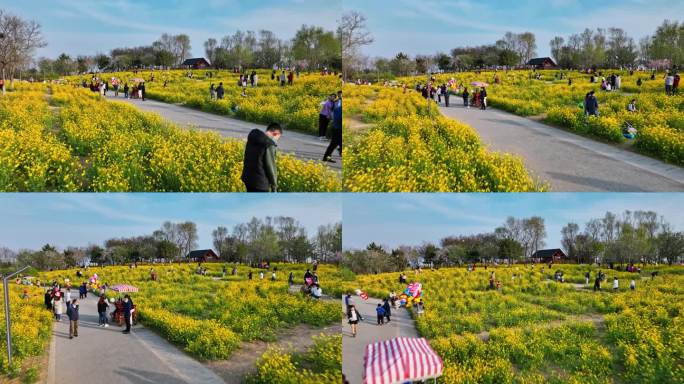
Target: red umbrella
124,288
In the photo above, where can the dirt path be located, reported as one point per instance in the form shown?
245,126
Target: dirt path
596,318
243,361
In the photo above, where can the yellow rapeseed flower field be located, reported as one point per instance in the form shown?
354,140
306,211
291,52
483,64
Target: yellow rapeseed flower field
61,138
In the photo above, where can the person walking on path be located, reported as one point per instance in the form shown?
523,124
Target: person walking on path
587,276
446,92
353,317
591,105
72,313
259,172
126,89
141,90
381,314
48,300
102,307
336,139
127,308
82,291
483,99
348,301
325,116
67,295
387,309
57,307
465,96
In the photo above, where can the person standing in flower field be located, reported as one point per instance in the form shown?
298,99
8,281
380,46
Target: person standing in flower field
259,172
597,283
220,91
591,104
632,285
72,313
283,79
616,284
669,81
675,84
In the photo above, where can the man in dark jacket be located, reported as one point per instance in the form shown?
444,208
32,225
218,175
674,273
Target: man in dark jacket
336,140
259,171
591,104
387,308
127,308
483,98
220,91
72,313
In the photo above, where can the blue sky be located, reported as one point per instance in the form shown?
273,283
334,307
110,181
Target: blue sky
31,220
90,26
428,26
411,219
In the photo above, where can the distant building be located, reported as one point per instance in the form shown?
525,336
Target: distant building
203,255
542,63
546,256
196,63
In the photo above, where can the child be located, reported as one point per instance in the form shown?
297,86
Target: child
381,314
353,316
632,285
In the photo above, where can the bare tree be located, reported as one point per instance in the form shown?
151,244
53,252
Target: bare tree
569,235
19,40
353,34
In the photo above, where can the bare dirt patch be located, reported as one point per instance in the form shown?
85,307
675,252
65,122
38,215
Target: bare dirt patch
243,361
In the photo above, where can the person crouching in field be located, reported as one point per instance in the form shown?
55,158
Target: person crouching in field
259,172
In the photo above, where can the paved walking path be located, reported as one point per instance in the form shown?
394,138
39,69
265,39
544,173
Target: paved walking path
303,146
568,162
353,348
105,355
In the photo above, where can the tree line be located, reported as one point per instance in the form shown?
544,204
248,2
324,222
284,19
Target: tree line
600,48
270,239
311,48
632,237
